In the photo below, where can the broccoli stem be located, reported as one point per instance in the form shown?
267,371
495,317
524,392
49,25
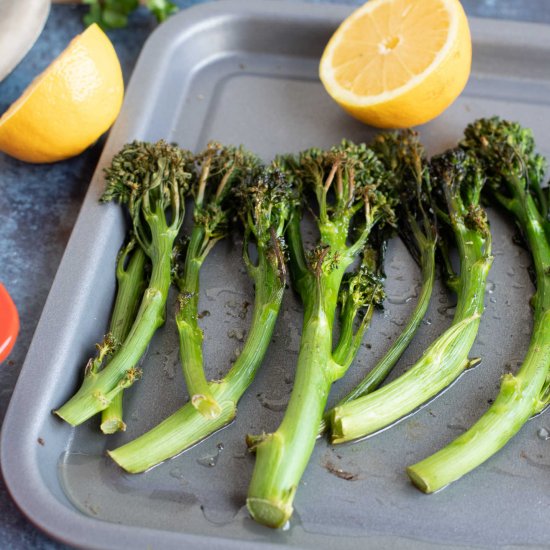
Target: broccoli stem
130,286
112,418
520,394
180,431
404,157
269,289
99,388
190,334
441,363
188,426
221,169
378,374
282,457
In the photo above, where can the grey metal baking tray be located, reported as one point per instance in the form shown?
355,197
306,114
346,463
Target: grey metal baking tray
246,72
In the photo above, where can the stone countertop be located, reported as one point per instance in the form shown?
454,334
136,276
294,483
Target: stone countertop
39,203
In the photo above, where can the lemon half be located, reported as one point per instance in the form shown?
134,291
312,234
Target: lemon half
67,107
398,63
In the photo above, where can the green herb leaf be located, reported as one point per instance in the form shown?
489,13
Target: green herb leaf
161,9
113,14
113,19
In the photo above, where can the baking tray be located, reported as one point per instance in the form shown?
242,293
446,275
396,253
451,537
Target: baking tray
246,72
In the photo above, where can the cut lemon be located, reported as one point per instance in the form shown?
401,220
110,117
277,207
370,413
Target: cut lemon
398,63
67,107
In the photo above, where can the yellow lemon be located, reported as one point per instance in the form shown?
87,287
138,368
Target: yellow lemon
67,107
398,63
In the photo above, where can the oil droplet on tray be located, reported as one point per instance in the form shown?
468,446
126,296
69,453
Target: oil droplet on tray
177,473
404,298
211,460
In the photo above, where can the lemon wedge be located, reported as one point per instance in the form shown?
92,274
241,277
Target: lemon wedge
67,107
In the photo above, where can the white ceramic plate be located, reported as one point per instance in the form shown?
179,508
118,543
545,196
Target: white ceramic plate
21,22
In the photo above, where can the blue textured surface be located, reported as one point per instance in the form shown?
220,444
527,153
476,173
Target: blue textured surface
39,203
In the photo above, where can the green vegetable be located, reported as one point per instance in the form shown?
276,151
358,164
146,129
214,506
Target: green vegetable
515,174
152,180
220,169
130,274
264,205
404,157
457,182
113,14
347,182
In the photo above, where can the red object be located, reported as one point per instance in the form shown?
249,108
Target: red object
9,323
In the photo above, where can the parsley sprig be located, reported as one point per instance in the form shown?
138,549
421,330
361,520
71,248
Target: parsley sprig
113,14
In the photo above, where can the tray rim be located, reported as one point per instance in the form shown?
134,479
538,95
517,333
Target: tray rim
29,492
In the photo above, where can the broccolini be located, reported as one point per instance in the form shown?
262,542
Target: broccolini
152,180
265,201
220,169
515,175
405,159
131,281
347,183
457,181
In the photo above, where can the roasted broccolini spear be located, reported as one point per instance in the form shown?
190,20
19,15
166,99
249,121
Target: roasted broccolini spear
264,204
515,175
457,180
151,179
404,157
220,168
131,281
346,182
